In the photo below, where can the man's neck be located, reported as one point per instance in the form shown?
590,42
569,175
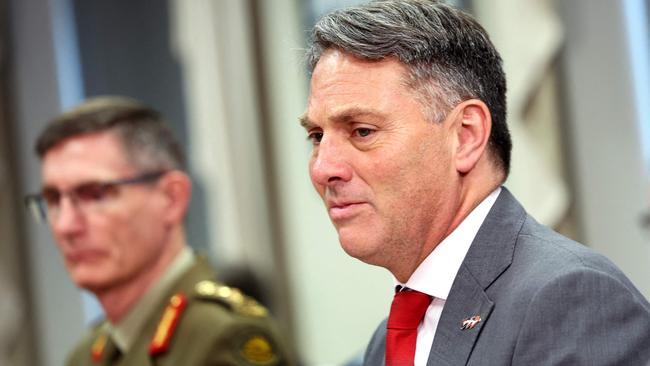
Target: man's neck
118,300
474,189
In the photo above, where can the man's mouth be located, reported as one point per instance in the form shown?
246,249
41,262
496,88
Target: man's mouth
83,255
345,210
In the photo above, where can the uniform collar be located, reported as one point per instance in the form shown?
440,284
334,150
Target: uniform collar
127,330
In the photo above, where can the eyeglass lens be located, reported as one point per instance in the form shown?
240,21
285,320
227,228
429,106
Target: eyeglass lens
47,203
87,192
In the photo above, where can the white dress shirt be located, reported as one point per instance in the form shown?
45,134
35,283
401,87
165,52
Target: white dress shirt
435,275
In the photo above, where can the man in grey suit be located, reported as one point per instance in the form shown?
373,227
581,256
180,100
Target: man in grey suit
407,116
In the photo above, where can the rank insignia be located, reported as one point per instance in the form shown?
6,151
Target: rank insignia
97,350
231,297
167,324
257,350
470,323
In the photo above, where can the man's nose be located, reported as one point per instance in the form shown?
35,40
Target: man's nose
330,163
67,218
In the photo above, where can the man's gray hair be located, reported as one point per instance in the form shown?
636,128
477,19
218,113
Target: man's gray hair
448,56
148,142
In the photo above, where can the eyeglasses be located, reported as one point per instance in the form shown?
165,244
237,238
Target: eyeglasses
48,202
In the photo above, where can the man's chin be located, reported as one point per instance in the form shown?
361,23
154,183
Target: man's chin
94,281
364,251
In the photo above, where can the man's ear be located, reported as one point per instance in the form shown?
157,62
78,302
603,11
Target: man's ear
177,190
472,134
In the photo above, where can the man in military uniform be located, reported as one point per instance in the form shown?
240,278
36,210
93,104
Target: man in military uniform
115,194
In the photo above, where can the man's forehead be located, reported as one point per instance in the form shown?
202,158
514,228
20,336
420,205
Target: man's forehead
330,56
97,155
341,73
334,59
90,145
346,87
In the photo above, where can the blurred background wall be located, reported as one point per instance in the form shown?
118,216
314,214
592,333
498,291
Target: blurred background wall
229,76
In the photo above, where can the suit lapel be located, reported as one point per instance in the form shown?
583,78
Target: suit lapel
451,345
489,255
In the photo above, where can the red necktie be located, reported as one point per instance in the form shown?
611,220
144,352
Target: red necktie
406,313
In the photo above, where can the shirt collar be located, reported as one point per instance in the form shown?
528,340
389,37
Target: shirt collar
127,331
436,274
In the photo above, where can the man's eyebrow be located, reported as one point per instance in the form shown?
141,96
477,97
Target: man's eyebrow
345,116
352,113
304,121
48,187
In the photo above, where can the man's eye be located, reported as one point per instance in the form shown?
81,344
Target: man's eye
93,192
363,132
315,137
51,197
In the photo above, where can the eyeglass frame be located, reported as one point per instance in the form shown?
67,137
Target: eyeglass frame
38,207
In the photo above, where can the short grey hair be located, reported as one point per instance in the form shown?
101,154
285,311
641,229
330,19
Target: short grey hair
448,56
148,142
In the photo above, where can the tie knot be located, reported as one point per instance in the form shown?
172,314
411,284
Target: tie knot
408,309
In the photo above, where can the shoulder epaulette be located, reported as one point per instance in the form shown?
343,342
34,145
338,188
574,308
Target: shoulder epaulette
231,297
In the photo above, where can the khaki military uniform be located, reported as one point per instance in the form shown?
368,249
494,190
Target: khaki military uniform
200,322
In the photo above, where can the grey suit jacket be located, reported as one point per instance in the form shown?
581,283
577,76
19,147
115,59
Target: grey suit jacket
543,300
